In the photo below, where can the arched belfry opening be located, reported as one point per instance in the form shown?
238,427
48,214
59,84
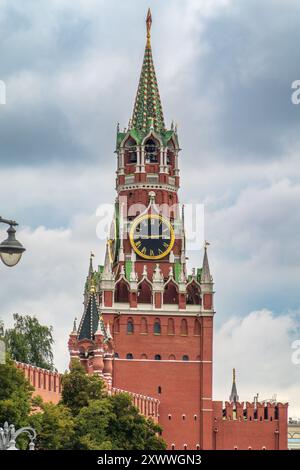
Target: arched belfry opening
144,292
122,291
170,293
151,150
130,151
193,294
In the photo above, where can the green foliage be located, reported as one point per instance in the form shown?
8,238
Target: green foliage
15,394
79,388
30,342
87,418
92,425
129,430
105,422
54,426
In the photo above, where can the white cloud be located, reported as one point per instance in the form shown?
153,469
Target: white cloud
49,280
225,73
259,347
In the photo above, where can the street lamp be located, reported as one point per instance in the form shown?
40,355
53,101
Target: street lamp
11,249
8,436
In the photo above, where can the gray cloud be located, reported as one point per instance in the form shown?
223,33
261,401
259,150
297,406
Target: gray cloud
225,69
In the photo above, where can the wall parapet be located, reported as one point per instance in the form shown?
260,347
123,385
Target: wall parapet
41,378
48,384
147,406
246,411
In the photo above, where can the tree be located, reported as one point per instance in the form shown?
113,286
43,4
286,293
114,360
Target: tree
92,426
103,421
54,425
129,430
30,342
79,388
15,395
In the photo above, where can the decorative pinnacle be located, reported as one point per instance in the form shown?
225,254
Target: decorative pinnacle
233,375
75,326
148,24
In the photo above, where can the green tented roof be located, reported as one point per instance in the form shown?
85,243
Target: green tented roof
177,270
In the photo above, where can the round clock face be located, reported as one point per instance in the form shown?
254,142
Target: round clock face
152,236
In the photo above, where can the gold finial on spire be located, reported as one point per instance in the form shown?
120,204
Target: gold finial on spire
149,23
92,286
233,375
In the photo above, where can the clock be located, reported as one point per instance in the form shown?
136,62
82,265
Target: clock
152,236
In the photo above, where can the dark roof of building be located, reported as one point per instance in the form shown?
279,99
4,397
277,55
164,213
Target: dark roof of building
90,319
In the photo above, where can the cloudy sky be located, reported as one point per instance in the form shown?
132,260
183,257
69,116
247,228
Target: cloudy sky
225,69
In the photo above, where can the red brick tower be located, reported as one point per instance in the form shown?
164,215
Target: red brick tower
160,317
147,325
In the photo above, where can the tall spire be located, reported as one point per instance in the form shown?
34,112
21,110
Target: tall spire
91,269
149,24
205,274
234,395
90,318
147,110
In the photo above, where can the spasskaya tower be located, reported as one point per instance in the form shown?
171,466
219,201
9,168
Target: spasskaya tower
147,325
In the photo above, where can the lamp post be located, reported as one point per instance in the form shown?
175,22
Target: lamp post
8,436
11,249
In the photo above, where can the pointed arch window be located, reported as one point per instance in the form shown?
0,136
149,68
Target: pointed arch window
129,356
144,326
157,327
185,357
131,151
184,327
193,296
151,151
122,291
197,328
117,326
130,326
171,326
144,293
157,357
170,294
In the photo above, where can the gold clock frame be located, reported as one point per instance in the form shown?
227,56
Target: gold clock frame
137,221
